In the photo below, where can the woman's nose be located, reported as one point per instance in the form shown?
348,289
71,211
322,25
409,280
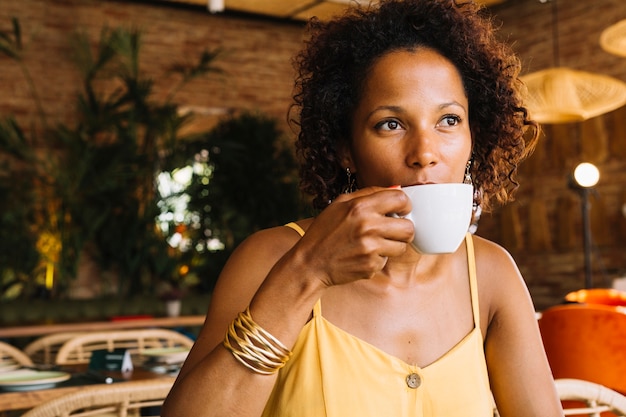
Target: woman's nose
422,150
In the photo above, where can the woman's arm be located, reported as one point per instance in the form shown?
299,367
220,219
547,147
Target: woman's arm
280,277
520,376
212,382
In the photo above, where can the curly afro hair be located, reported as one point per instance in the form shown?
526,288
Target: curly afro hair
336,60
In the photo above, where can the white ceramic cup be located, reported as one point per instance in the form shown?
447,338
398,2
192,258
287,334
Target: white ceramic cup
441,215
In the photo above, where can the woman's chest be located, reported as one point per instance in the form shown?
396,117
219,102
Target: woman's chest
415,326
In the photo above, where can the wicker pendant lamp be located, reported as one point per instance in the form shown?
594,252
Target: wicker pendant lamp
562,95
613,39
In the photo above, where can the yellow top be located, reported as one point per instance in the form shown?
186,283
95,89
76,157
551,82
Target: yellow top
335,374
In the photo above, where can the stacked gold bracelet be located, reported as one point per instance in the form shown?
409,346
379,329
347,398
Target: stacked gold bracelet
254,347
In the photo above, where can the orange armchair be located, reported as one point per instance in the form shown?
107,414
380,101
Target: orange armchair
586,341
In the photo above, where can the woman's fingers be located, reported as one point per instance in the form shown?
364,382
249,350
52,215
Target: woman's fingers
353,237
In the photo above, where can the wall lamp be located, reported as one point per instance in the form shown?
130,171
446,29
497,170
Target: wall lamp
585,177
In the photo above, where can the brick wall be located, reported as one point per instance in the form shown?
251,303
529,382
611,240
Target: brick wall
256,57
541,229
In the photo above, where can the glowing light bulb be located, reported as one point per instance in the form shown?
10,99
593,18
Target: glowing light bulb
586,175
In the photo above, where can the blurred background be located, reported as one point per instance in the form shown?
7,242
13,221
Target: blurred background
141,141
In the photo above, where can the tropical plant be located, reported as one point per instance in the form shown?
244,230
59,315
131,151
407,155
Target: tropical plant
93,181
19,256
244,179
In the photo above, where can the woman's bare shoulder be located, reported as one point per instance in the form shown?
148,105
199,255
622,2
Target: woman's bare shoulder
256,255
249,264
500,282
271,243
241,277
491,254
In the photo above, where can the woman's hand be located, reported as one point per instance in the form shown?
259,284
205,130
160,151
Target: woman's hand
356,234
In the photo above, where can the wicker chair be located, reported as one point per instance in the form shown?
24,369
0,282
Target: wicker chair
9,354
119,400
595,398
78,349
43,350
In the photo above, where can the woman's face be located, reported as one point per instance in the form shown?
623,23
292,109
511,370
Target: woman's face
411,126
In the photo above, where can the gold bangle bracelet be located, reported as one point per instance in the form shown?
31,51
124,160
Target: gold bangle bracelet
254,347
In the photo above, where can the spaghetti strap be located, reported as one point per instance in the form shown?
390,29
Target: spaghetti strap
471,265
317,308
295,226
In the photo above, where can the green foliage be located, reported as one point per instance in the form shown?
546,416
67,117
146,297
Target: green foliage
19,258
88,188
11,41
93,181
254,181
250,183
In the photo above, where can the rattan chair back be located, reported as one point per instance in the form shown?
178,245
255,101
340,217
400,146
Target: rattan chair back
43,350
10,355
78,349
120,400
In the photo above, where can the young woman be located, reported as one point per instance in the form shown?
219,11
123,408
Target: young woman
337,315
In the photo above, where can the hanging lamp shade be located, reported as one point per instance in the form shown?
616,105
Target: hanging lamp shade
562,95
613,39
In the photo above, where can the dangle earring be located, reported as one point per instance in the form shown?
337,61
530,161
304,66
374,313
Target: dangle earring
468,175
476,208
350,183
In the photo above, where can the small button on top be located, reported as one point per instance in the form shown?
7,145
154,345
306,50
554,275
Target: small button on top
413,380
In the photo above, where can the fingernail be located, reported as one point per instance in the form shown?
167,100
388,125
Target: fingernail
396,187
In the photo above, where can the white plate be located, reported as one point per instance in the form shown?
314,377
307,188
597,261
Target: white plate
9,366
29,379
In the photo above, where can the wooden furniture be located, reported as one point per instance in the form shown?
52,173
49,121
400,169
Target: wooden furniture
586,342
43,350
78,349
115,400
12,355
594,398
22,400
38,330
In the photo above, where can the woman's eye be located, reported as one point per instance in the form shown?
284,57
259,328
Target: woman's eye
450,120
388,125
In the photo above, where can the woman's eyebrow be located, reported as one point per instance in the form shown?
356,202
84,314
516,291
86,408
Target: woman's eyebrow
395,109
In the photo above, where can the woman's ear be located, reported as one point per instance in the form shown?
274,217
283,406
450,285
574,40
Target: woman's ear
345,156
